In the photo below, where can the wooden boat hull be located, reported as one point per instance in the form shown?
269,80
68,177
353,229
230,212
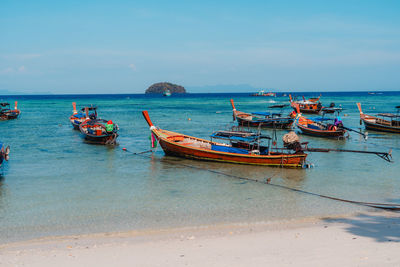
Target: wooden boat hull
101,140
185,146
321,133
75,125
10,115
380,128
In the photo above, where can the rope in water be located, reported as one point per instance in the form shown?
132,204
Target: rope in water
386,206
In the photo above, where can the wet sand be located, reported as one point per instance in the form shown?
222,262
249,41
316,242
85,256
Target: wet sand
365,239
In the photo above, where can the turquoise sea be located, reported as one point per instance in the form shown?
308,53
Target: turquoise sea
56,184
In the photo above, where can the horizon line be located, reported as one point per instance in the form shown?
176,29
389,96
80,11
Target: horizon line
280,92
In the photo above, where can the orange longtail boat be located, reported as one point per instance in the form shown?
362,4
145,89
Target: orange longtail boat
239,151
311,106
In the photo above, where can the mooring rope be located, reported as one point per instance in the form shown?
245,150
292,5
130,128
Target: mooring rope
386,206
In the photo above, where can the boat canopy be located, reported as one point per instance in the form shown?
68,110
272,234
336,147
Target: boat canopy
320,119
389,115
247,137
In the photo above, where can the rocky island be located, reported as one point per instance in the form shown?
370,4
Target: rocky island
160,88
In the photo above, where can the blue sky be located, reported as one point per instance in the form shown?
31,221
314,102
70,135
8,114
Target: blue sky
125,46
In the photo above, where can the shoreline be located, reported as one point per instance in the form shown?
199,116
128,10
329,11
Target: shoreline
366,238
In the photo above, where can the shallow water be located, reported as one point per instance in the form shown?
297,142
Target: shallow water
55,184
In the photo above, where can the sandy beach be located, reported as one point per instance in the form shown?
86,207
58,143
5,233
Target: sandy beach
366,239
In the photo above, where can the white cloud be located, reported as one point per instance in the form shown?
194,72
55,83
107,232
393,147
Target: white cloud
132,66
21,69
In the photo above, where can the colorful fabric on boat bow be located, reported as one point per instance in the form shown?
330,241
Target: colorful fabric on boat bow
153,140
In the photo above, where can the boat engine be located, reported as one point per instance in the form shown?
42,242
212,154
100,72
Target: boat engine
292,141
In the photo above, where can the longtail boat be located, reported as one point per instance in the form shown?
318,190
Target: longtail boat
319,128
6,113
4,153
96,131
311,106
383,122
241,149
78,117
262,119
99,131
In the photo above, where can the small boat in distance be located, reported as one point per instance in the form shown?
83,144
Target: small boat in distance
4,153
6,113
78,117
382,122
242,148
310,106
167,93
263,93
262,119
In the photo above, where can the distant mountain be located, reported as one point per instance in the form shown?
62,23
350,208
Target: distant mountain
159,88
223,88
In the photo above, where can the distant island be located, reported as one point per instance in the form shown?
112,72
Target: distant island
160,88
